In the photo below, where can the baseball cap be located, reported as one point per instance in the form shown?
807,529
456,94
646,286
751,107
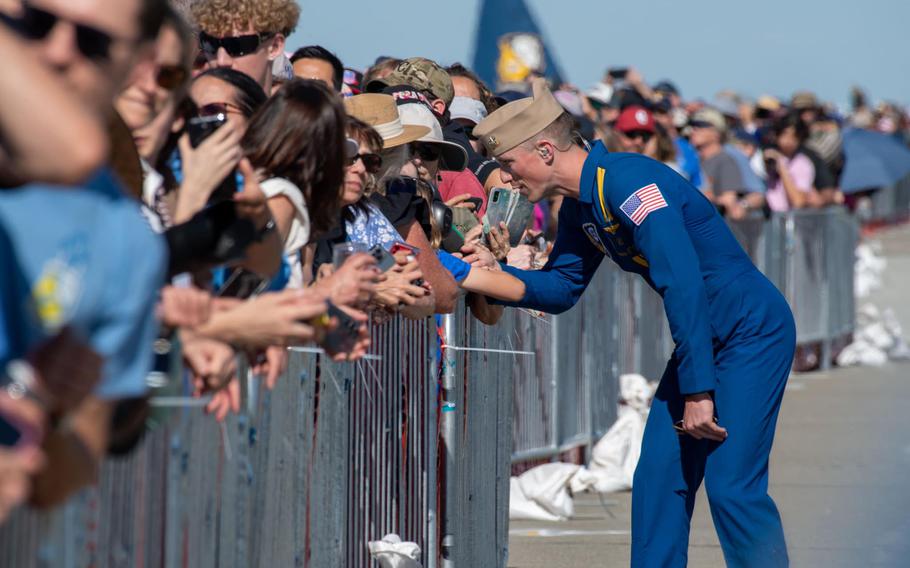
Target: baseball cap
570,101
415,111
744,135
600,94
768,102
467,109
666,88
635,118
804,100
421,73
727,106
709,118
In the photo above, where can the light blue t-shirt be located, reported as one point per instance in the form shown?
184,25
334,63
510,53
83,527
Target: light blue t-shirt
751,181
86,258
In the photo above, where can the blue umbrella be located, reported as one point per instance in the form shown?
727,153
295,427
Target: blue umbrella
872,160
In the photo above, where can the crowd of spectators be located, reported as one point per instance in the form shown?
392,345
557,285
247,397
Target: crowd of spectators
185,177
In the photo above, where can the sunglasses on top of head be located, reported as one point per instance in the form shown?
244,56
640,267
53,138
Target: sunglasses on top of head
371,162
235,46
35,24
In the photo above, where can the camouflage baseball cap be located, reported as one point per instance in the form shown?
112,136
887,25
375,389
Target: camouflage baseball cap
420,73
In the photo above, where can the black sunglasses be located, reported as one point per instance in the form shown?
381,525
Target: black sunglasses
371,162
235,46
643,134
35,24
425,152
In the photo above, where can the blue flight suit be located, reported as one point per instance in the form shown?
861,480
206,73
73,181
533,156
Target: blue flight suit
734,336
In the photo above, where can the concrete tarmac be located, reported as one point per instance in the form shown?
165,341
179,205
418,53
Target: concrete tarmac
840,470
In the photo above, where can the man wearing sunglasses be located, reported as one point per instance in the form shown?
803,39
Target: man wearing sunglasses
723,175
246,35
73,143
88,262
635,128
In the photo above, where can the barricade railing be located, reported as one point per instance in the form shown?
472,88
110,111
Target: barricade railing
619,327
889,204
403,442
337,455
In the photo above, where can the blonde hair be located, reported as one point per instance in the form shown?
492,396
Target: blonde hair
222,17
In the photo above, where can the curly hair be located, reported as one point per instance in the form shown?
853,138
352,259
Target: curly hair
221,17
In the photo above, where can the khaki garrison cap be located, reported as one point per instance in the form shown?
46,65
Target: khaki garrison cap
518,121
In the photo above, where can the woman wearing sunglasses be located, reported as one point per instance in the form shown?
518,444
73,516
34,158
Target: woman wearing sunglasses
395,196
362,222
217,93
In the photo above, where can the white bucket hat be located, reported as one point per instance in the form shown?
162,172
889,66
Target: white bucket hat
454,157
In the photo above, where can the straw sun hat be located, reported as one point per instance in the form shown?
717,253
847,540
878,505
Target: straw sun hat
381,112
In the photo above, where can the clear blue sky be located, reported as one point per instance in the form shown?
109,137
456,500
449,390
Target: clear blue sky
773,46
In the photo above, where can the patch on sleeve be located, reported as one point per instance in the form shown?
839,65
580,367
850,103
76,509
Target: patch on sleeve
643,202
591,231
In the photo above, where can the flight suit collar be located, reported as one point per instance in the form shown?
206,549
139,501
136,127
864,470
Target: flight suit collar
589,172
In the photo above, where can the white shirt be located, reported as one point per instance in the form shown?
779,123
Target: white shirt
299,235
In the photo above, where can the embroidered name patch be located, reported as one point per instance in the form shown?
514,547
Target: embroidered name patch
643,202
591,231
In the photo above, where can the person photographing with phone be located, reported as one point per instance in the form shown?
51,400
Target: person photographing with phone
733,330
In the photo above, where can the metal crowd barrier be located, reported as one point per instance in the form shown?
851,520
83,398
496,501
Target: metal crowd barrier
337,455
619,327
888,204
405,442
809,255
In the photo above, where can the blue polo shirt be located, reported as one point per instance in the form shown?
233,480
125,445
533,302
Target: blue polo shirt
83,257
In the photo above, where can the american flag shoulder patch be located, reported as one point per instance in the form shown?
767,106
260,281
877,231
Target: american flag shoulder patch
642,203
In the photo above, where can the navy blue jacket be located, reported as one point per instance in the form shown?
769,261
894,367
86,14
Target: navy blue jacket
651,221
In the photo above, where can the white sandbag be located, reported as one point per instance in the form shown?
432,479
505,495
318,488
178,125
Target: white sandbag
868,269
391,552
614,457
862,352
543,493
522,508
546,486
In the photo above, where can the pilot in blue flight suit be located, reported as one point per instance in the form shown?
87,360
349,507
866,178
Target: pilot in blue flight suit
715,410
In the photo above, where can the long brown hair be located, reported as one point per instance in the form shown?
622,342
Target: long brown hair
299,134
